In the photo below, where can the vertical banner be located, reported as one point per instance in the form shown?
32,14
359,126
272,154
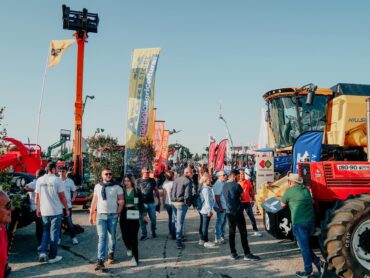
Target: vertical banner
307,147
163,161
158,139
264,168
154,119
221,152
211,154
140,123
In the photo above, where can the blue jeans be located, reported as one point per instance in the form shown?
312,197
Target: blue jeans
220,224
171,223
179,213
302,233
150,208
106,225
50,235
68,221
203,227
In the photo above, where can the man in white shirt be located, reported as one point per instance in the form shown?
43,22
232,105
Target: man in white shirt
50,200
30,188
108,203
70,193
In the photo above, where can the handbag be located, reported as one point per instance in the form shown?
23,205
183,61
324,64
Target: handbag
133,214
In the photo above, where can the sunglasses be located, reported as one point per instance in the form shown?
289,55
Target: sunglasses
107,174
8,205
62,171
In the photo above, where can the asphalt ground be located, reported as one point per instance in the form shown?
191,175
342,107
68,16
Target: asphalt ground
158,257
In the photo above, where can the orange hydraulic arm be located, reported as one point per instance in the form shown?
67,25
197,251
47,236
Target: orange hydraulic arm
77,143
81,22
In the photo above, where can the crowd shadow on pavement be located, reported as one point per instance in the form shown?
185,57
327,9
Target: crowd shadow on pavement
158,257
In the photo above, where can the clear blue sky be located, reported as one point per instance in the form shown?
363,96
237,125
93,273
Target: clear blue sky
231,51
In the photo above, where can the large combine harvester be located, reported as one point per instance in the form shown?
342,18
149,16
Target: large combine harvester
340,181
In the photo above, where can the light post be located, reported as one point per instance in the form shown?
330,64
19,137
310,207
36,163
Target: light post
84,104
228,134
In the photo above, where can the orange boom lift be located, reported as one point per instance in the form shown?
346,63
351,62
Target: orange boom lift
81,22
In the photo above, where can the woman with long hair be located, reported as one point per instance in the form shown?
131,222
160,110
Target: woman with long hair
130,215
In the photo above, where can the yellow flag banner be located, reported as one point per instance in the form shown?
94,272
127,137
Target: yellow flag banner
140,121
158,139
163,161
57,48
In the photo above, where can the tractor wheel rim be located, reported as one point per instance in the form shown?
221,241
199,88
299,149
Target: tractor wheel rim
361,243
267,221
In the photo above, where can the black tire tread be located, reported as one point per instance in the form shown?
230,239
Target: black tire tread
334,228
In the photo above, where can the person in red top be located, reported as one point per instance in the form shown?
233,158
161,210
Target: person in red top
6,208
248,201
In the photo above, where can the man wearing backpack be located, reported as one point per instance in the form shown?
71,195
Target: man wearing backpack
220,207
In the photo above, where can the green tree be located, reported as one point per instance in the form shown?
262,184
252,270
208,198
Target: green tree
143,155
104,151
184,152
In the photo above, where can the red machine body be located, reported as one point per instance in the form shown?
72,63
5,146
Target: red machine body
336,180
21,157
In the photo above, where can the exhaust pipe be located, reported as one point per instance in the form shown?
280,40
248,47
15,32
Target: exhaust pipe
368,127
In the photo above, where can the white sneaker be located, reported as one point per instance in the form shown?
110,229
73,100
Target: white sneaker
59,241
55,260
257,234
209,245
133,262
43,258
201,242
74,241
129,253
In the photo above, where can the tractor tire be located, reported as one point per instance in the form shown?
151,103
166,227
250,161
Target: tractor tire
345,237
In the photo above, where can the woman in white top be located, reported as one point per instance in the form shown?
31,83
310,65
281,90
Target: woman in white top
208,201
167,186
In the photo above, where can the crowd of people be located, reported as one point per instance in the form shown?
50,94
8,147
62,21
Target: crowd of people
133,205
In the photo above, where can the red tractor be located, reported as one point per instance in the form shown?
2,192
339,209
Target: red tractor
340,180
21,157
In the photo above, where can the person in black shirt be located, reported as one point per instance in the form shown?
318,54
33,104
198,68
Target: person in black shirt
232,192
148,187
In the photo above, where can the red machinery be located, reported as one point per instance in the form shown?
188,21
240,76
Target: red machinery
21,157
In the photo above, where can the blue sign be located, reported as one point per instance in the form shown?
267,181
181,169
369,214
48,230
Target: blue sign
272,205
307,148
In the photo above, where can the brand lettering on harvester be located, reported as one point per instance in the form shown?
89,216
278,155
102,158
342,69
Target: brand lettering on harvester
357,120
353,167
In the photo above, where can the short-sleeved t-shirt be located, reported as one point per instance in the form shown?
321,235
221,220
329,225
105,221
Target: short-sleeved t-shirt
232,192
69,187
299,200
168,187
217,190
48,187
110,205
247,189
147,189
